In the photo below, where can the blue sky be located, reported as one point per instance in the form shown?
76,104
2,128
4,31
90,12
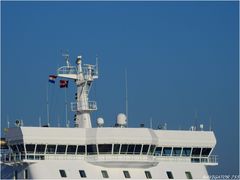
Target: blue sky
181,58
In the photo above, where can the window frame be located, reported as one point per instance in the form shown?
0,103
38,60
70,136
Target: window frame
188,175
63,173
126,174
105,174
169,174
82,173
148,174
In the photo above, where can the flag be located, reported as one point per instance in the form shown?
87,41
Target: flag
52,78
63,84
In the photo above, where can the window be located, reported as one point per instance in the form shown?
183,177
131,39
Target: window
126,174
71,149
105,148
30,148
206,152
40,149
151,151
26,174
177,151
15,175
188,175
116,148
81,149
21,148
137,149
196,152
91,149
145,149
62,173
158,151
104,174
130,148
82,173
167,151
61,149
51,149
148,175
186,152
169,175
124,148
14,148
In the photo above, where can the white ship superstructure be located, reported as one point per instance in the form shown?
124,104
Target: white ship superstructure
116,152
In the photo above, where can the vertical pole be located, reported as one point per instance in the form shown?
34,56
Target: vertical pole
151,122
48,116
40,123
126,93
66,108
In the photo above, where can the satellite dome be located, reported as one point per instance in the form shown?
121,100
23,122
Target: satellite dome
100,122
121,119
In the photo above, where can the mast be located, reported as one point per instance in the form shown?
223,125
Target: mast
83,75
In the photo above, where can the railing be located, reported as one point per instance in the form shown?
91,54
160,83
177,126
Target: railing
67,70
92,106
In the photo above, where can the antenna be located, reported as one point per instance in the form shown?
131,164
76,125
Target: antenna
126,93
40,121
48,118
66,56
151,122
8,123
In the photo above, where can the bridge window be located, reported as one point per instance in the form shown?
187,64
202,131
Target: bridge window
105,148
61,149
167,151
71,149
148,175
169,175
137,149
82,173
124,148
177,151
30,148
14,148
40,149
62,173
151,151
126,174
25,174
206,152
51,149
130,148
158,151
145,149
21,148
104,174
81,150
196,152
188,175
186,152
91,149
116,148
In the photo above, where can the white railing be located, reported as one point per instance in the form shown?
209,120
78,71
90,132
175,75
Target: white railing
67,70
92,106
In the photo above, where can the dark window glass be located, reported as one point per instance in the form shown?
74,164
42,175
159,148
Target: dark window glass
51,149
81,149
167,151
91,149
30,148
148,175
40,149
116,148
206,151
126,174
196,152
145,149
20,148
186,152
26,174
137,149
62,173
177,151
104,174
61,149
151,151
158,151
188,175
82,173
105,148
14,148
130,148
124,148
71,149
169,175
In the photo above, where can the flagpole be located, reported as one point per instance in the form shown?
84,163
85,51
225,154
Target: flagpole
66,108
48,117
